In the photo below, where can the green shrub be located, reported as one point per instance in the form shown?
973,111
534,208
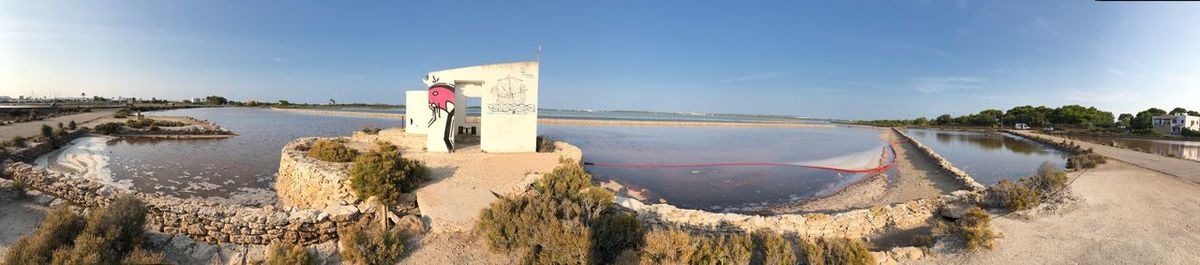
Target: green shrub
331,151
386,175
773,249
545,144
836,251
286,254
110,234
19,186
19,142
72,125
60,125
108,128
1189,133
364,243
58,230
615,233
668,246
47,131
974,229
121,114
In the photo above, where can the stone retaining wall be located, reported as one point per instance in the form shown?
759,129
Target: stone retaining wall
959,174
208,222
38,149
309,183
861,223
1057,145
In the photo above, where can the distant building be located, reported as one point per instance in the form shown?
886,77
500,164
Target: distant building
1174,124
5,99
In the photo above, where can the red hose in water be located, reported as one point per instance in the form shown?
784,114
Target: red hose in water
742,164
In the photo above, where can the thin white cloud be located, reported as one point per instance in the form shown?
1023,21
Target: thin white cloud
946,83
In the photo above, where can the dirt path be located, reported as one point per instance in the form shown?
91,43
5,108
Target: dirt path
454,248
1187,169
18,218
34,128
1128,215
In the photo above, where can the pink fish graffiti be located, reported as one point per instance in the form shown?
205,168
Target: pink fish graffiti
441,99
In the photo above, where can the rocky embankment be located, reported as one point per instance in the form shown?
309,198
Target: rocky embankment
208,222
310,183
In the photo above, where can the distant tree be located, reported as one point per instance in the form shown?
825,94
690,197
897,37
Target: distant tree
215,100
944,119
1193,113
922,121
1144,118
284,103
1125,120
332,102
1178,111
48,132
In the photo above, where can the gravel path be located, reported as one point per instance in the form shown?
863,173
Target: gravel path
1128,215
1186,169
34,128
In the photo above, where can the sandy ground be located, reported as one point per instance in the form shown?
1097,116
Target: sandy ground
18,218
916,176
34,128
454,248
1178,167
1128,215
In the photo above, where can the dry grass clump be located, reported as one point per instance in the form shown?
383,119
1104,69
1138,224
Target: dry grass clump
1028,192
1085,161
108,128
667,246
836,251
331,151
287,254
365,243
773,249
385,174
974,229
722,249
109,235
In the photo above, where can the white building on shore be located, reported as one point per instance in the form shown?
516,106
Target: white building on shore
1174,124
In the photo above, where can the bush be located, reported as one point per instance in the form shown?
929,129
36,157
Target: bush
1085,161
773,249
1189,133
286,254
836,251
110,234
370,130
723,249
974,229
72,125
143,256
108,128
367,244
58,230
19,186
545,144
121,114
386,175
18,141
47,131
669,246
564,220
1013,196
331,151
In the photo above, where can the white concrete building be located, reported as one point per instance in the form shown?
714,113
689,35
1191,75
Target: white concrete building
1174,124
416,111
508,118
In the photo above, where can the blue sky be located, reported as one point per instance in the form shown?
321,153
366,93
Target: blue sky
840,59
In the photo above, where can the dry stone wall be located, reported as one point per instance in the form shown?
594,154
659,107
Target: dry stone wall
959,174
860,223
309,183
208,222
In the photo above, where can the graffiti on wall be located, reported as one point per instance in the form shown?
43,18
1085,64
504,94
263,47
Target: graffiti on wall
508,96
441,101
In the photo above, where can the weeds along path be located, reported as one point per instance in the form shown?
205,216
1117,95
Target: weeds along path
1187,169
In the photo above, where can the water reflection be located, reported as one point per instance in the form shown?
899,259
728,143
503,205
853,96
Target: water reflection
989,156
1181,149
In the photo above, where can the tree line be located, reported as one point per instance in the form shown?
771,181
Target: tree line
1074,116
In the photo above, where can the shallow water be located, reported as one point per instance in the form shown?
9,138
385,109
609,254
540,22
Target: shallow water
990,156
1181,149
725,188
612,115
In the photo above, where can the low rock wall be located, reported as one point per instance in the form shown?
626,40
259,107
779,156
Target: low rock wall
208,222
861,223
38,149
959,174
309,183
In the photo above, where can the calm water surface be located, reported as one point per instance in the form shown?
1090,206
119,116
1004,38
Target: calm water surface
990,156
721,188
1181,149
220,167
